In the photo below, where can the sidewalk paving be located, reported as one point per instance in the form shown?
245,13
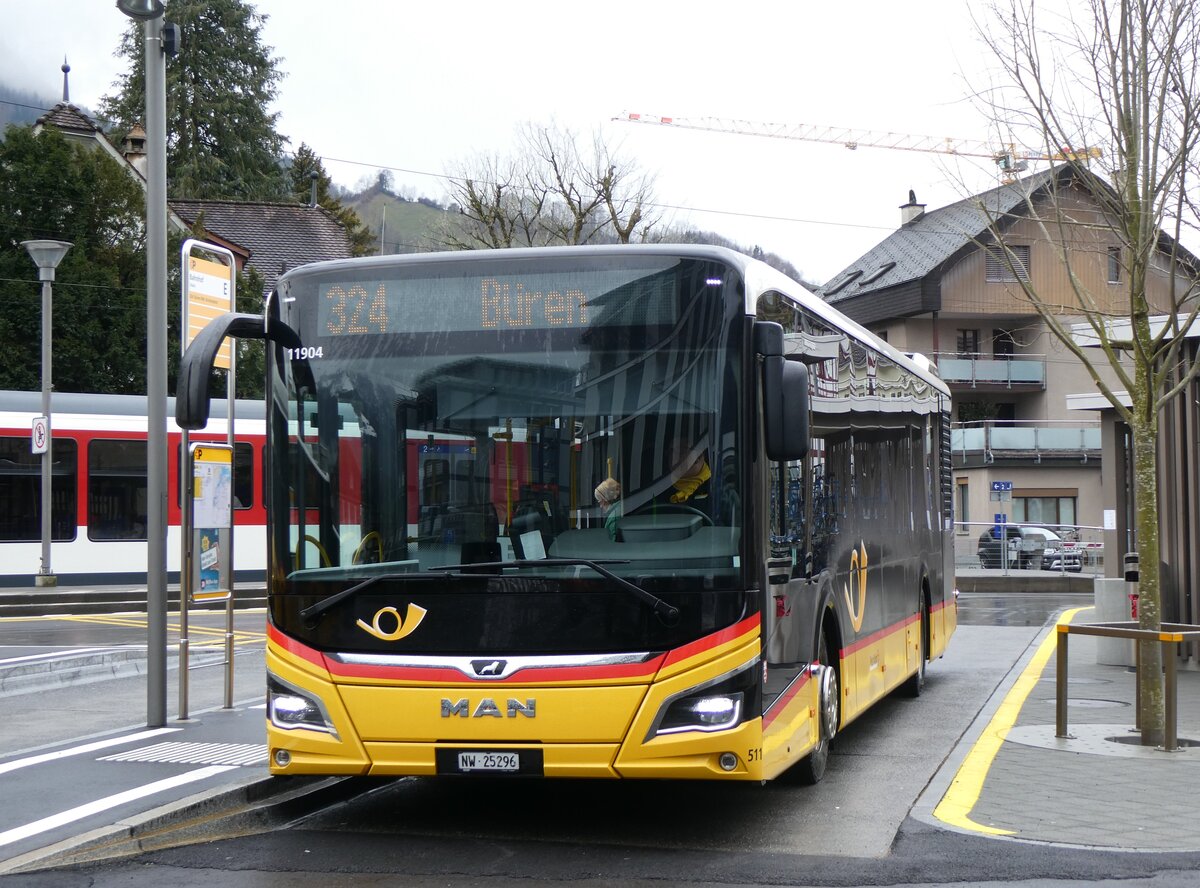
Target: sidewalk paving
1013,779
1009,777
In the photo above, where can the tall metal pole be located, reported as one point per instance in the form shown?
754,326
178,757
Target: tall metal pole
156,371
46,575
46,254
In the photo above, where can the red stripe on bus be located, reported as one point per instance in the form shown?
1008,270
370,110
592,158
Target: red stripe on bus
303,651
746,626
879,635
780,703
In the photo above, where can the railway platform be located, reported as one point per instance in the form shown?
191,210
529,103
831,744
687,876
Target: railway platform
81,778
24,599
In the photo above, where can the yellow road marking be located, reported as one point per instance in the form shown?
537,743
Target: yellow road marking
194,629
240,636
955,806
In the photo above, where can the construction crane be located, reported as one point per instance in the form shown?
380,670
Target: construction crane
1008,158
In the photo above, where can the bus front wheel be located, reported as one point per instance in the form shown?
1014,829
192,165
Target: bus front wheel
811,768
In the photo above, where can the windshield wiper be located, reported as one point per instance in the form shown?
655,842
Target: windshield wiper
667,614
313,611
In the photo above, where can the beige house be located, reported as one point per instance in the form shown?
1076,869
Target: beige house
943,286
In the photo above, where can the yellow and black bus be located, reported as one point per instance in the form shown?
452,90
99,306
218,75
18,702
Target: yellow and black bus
621,511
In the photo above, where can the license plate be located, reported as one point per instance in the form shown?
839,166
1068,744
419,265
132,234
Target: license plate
489,761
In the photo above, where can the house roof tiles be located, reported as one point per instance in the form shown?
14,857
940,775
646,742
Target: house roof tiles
278,237
920,246
65,116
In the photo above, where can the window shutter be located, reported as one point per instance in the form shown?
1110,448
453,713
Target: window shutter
998,270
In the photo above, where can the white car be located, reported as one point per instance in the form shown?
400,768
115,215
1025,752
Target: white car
1053,555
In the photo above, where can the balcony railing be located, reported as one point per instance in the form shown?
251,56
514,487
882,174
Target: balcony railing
1025,438
1024,371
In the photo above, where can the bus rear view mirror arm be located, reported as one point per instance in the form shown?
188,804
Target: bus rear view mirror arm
195,368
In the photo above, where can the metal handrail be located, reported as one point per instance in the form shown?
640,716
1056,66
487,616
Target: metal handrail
1170,633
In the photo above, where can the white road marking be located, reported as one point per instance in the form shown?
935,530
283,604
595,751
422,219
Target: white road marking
130,795
30,658
5,767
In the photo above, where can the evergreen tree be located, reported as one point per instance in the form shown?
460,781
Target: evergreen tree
304,165
50,188
221,139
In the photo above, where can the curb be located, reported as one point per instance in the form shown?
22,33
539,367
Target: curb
63,672
254,804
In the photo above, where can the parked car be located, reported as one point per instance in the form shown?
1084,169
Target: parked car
992,544
1029,548
1054,556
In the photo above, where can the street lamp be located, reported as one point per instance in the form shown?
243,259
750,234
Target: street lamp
46,254
150,13
142,10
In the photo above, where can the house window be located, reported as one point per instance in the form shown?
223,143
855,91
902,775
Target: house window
1002,261
967,343
843,283
877,273
1114,265
1003,344
1044,510
964,511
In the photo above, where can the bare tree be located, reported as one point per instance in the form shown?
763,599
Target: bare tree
549,192
1115,79
498,206
627,194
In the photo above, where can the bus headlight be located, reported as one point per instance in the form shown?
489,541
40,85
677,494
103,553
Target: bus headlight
289,708
715,713
719,705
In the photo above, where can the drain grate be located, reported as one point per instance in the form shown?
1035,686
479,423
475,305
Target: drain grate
195,754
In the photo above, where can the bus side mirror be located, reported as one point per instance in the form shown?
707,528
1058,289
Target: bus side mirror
191,391
785,408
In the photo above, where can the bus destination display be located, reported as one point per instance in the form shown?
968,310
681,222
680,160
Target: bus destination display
500,303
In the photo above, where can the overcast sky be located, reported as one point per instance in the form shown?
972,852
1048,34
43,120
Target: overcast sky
417,87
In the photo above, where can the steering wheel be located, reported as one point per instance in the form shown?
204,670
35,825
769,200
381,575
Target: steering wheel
677,508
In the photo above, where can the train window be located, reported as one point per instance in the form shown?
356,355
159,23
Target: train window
21,490
117,498
434,489
243,476
310,495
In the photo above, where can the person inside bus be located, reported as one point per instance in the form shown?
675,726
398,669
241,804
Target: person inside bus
608,496
691,474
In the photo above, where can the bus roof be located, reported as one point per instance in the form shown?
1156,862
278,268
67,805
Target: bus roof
759,276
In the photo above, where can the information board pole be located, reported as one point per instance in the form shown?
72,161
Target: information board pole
227,579
208,292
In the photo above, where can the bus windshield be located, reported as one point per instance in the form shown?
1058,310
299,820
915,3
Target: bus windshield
510,417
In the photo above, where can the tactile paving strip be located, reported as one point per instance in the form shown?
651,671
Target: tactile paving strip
195,754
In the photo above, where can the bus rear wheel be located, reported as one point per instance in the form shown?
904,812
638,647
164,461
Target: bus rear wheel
811,768
916,682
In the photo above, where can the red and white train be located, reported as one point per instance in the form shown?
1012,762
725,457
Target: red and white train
99,488
100,492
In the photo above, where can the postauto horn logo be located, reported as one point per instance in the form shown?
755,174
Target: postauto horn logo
389,616
858,575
